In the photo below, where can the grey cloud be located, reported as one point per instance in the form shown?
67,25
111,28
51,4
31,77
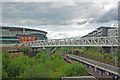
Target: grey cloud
79,23
109,16
53,15
45,13
119,12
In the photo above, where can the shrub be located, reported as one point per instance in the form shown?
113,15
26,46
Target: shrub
6,60
107,55
4,74
36,71
16,67
76,52
74,69
41,66
26,50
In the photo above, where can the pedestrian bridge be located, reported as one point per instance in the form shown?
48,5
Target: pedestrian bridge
86,41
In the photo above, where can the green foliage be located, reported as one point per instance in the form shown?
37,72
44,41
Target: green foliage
26,50
36,71
118,55
40,66
38,56
4,74
6,59
17,65
118,58
15,68
74,69
107,55
38,51
93,52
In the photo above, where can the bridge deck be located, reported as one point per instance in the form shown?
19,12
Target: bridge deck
100,65
88,41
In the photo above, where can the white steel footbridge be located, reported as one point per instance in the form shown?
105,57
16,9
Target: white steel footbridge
86,41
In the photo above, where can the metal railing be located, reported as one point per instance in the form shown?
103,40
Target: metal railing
86,41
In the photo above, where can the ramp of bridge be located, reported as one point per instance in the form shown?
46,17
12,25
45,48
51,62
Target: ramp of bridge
87,41
103,66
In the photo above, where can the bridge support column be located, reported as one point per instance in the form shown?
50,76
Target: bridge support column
117,50
78,47
38,48
34,50
67,52
115,60
102,50
112,51
63,50
72,49
43,47
95,68
101,73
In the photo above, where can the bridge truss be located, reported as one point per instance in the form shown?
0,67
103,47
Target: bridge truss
86,41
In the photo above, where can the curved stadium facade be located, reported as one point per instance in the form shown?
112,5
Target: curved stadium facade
11,34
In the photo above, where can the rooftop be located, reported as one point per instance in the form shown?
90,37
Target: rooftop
19,27
106,27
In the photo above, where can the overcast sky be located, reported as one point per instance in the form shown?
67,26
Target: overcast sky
61,19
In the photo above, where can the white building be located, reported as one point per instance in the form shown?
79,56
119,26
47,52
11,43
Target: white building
113,32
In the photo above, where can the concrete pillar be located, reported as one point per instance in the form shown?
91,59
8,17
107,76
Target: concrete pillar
38,48
115,60
67,52
101,73
78,47
43,47
63,50
54,50
107,73
72,49
34,50
112,51
95,69
102,50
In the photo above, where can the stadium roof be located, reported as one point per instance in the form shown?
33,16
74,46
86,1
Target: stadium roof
21,27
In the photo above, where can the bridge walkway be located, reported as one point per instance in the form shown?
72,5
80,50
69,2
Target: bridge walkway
108,68
91,71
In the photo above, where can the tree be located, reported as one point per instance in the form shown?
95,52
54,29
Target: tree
4,74
36,71
6,59
16,67
26,50
74,69
40,66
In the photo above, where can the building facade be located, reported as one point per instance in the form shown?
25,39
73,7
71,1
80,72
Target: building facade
113,32
102,31
13,34
24,38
